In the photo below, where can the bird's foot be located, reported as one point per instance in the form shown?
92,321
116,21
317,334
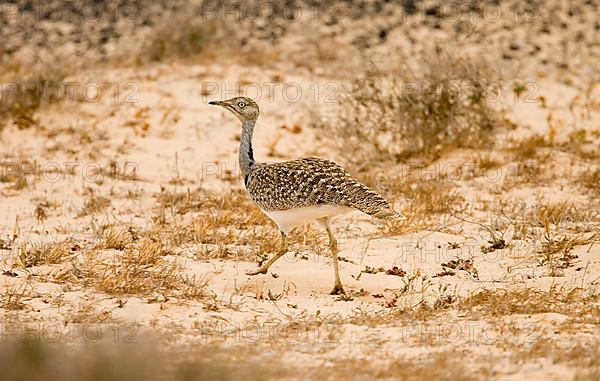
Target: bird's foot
338,290
260,270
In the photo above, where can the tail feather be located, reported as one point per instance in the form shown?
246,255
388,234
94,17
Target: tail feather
372,203
388,214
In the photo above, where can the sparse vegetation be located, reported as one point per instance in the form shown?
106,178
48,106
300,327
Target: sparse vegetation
21,98
532,221
428,201
143,270
529,148
118,239
419,115
579,304
192,37
12,297
556,253
45,253
126,217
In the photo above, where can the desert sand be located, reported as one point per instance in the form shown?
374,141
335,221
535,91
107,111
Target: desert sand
126,232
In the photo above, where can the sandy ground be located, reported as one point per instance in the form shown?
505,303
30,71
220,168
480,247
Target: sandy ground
504,286
171,132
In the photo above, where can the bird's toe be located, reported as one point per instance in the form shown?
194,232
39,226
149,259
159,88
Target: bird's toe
338,290
257,271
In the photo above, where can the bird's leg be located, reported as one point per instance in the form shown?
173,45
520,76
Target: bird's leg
265,267
333,247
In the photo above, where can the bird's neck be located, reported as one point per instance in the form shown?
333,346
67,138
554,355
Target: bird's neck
246,153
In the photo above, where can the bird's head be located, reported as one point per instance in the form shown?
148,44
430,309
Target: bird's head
244,108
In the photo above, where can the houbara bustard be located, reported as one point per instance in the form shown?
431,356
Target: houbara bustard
293,192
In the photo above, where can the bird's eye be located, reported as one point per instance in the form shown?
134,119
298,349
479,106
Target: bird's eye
241,105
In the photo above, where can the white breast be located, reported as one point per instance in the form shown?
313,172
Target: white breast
287,219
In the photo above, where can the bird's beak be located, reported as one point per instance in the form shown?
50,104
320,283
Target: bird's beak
217,103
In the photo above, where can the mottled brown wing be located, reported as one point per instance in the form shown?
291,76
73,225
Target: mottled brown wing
312,181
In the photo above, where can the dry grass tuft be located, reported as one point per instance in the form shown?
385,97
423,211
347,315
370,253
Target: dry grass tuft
115,238
142,269
423,114
11,298
556,253
557,212
44,254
